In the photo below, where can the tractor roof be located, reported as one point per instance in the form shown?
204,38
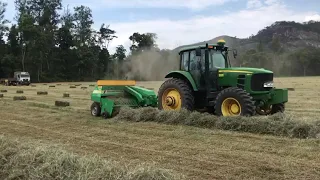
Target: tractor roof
192,47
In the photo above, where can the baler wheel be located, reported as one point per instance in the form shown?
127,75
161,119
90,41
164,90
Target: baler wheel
175,94
277,108
95,109
234,101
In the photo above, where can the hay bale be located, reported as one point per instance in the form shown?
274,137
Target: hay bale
65,95
1,95
291,89
58,84
83,87
45,84
3,90
73,87
33,86
62,103
19,92
42,93
51,86
19,98
91,85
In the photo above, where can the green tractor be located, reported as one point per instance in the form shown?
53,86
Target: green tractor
207,82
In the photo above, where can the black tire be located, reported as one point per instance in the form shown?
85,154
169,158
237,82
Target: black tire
278,108
186,93
95,109
244,99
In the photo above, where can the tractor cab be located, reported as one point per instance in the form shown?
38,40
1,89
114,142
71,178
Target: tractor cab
203,63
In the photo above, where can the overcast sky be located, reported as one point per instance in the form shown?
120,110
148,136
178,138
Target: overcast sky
179,22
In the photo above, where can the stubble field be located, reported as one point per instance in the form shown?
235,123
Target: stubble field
193,152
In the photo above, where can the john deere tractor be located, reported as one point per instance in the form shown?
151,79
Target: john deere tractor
207,82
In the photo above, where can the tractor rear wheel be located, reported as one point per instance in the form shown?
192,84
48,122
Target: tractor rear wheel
95,109
175,94
234,101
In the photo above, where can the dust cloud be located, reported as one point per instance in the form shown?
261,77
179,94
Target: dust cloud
151,65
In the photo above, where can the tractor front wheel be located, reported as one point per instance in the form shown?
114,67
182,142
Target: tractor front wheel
234,101
95,109
175,94
272,109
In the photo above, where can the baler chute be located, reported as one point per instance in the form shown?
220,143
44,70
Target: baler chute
110,95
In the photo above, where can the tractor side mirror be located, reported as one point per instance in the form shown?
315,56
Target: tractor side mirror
235,53
198,52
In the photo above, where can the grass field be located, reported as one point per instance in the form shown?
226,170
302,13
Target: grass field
196,153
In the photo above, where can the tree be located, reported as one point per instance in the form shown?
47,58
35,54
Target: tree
142,42
106,35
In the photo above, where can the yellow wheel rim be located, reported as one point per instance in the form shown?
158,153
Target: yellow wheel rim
171,99
231,107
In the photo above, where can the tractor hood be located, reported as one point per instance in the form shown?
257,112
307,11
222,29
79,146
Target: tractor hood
244,70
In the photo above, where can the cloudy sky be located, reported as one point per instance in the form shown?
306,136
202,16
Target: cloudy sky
179,22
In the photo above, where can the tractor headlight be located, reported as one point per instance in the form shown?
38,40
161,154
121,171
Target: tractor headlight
268,84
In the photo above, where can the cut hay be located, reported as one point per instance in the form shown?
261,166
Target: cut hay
291,89
73,87
58,84
42,93
78,84
62,103
65,95
3,90
1,95
52,86
91,85
278,124
44,84
83,87
24,159
19,98
33,86
151,89
19,91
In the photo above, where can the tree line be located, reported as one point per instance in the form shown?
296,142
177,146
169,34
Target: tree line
55,46
61,47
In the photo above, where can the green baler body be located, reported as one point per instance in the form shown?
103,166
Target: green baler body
111,97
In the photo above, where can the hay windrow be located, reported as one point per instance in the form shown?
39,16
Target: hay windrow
19,91
83,87
3,90
32,160
33,86
52,86
1,95
73,87
278,124
65,95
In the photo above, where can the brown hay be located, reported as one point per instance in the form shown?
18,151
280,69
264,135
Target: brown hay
73,87
1,95
19,98
62,103
19,91
291,89
66,95
278,124
33,86
78,84
52,86
83,87
91,85
58,84
23,159
42,93
3,90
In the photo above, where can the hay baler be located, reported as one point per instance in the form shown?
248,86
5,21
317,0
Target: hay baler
110,95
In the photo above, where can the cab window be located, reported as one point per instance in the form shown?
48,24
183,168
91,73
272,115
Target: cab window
185,61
